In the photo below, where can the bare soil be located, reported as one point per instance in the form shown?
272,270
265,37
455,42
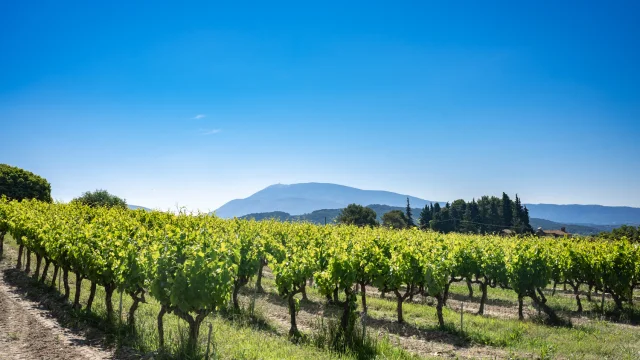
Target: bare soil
29,332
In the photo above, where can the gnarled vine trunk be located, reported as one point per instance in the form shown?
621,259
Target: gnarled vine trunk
399,301
543,299
65,280
576,292
346,310
363,296
483,299
542,303
27,267
76,300
439,305
445,295
617,299
293,331
92,295
163,310
56,268
400,298
38,265
137,299
108,295
237,284
470,288
20,250
2,234
259,288
47,262
194,325
520,306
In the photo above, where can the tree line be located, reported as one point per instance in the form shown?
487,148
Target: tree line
488,214
628,232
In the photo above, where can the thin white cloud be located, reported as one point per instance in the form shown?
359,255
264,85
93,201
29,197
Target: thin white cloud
211,131
199,116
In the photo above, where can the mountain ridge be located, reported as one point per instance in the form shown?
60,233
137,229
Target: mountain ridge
305,198
298,199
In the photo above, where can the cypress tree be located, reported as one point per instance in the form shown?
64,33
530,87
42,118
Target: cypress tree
518,215
471,217
409,215
507,211
525,221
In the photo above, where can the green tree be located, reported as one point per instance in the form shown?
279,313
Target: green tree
19,184
625,231
457,211
409,215
470,218
100,198
442,221
395,219
507,211
425,217
521,217
359,215
525,221
436,209
494,214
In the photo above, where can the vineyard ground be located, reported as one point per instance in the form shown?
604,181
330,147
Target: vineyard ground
499,334
496,335
28,332
241,338
424,342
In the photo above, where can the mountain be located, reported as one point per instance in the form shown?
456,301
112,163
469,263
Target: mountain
305,199
585,214
297,199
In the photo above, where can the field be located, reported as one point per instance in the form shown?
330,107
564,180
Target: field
198,273
498,334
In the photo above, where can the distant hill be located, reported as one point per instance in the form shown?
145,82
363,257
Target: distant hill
586,214
136,207
590,229
305,199
298,199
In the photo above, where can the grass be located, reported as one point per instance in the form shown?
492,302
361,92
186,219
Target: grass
563,302
234,336
580,341
593,338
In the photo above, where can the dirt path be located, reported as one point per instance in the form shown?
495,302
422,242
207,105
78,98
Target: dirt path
27,332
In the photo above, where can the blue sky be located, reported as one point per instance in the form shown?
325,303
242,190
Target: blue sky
198,104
